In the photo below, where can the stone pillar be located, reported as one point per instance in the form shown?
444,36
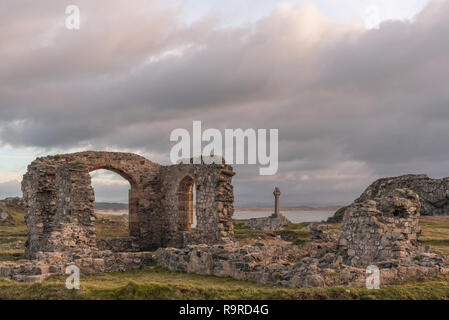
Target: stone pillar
276,194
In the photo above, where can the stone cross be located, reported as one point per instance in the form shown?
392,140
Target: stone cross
276,194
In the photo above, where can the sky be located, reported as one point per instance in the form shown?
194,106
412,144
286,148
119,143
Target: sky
357,89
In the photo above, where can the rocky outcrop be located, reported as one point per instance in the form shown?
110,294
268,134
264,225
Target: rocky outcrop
6,205
15,203
338,215
5,218
433,193
322,233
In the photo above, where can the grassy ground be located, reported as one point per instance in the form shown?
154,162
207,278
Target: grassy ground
157,283
111,226
12,238
295,233
435,232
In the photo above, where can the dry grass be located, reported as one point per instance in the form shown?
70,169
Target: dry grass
435,232
108,225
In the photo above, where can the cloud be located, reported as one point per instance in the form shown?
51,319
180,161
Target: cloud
350,104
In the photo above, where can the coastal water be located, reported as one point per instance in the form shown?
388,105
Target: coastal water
293,216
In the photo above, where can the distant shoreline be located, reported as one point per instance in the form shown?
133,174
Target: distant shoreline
121,209
111,211
300,208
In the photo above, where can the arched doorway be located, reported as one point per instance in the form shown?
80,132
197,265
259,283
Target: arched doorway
186,204
115,205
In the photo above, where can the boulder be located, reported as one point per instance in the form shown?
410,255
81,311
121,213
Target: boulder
322,233
15,203
338,215
5,218
270,223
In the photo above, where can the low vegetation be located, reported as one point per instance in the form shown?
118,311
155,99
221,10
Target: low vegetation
156,283
108,225
435,232
12,237
295,233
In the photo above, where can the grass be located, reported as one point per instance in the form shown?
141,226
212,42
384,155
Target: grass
156,283
12,238
109,225
295,233
435,232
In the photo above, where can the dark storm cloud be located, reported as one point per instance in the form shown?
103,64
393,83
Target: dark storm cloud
351,105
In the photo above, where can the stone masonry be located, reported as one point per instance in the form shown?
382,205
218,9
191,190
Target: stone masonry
382,229
381,232
274,222
58,198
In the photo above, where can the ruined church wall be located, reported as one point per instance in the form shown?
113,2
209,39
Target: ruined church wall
39,194
59,200
214,203
58,194
380,230
143,177
59,206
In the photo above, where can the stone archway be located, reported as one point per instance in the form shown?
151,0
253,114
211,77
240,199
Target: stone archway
59,198
133,193
112,205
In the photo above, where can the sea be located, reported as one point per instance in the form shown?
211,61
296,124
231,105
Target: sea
294,216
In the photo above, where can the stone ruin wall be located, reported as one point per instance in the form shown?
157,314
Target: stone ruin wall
383,229
214,205
381,232
59,203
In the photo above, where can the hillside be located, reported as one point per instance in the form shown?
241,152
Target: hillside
13,233
110,206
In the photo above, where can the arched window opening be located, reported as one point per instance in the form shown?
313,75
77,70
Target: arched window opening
187,204
111,204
